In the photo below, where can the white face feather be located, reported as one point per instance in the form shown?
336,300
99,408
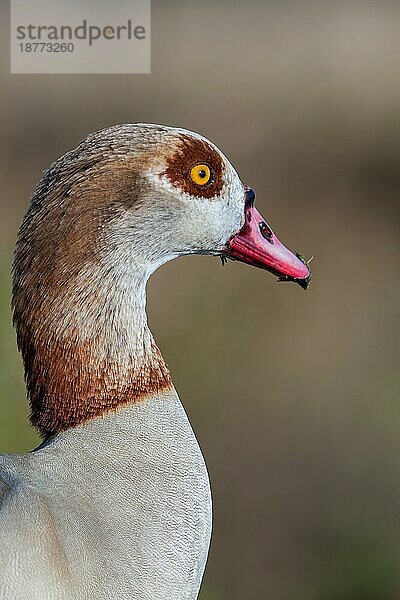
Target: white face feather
171,221
203,225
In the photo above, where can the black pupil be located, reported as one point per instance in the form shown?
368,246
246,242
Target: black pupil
202,174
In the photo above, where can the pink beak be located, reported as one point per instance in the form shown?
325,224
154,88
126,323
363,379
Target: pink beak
257,245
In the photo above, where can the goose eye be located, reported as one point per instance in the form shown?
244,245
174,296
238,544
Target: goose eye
201,174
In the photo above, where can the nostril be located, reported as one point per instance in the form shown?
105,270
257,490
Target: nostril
266,231
250,196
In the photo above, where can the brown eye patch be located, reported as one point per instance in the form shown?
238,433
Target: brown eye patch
190,152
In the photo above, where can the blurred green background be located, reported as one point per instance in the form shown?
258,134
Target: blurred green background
294,396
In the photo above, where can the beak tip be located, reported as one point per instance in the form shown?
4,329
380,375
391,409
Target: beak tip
305,283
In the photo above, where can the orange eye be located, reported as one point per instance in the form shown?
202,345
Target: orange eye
200,174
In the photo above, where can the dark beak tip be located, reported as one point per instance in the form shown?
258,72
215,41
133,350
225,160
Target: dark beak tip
304,283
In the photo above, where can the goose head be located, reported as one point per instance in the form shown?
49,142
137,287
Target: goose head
104,216
183,196
141,195
200,206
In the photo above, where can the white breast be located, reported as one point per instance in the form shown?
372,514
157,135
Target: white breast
117,508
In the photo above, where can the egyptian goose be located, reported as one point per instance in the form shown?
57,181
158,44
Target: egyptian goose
116,503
